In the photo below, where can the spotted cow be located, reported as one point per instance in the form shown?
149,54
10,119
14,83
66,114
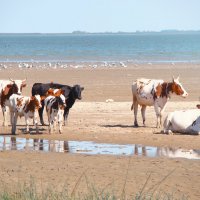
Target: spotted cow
55,105
24,106
153,92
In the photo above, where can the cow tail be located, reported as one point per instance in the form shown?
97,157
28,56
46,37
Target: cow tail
132,103
132,107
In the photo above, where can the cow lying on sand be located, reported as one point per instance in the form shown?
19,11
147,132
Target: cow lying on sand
152,92
70,93
183,121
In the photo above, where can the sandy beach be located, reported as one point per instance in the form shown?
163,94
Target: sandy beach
94,119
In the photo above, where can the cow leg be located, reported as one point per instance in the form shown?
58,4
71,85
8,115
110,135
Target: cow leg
135,107
60,120
27,124
14,122
50,126
66,112
4,110
156,108
36,122
41,113
143,109
55,113
161,114
51,121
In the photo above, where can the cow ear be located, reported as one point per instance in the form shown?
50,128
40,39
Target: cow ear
82,88
42,98
173,79
63,92
6,89
198,106
24,84
49,92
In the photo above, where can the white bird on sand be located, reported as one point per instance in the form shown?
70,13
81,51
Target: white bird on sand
122,64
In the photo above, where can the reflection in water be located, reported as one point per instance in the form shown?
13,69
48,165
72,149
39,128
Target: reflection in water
92,148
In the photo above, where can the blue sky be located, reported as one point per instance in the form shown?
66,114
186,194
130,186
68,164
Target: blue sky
62,16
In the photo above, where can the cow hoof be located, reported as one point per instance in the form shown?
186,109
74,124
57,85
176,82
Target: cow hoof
42,123
136,125
170,132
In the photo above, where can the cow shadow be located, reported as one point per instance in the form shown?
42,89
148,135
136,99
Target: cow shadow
116,126
124,126
174,133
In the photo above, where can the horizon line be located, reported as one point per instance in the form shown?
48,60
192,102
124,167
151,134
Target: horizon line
106,32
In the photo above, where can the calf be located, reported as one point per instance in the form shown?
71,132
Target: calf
7,88
55,108
24,106
70,93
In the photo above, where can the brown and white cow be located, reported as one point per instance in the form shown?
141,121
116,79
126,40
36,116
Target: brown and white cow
7,88
153,92
24,106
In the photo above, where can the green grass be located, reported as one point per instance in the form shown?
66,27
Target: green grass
29,191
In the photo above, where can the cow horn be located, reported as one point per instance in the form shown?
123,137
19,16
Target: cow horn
24,80
11,80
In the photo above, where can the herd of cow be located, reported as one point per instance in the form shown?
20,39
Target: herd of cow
58,99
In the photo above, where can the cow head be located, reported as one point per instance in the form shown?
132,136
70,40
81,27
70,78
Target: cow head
61,101
59,94
20,84
76,91
37,101
177,88
11,89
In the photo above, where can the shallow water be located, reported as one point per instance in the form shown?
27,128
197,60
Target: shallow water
8,143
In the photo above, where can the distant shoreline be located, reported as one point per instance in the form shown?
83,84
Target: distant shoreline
112,33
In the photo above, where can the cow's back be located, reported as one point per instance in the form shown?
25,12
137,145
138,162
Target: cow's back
42,88
143,90
182,120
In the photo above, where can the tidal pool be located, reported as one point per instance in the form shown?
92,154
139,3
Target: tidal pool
8,143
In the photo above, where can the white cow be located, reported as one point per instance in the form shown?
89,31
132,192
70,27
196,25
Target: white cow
182,121
7,88
152,92
55,108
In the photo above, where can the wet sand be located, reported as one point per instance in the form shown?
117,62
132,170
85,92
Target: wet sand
93,119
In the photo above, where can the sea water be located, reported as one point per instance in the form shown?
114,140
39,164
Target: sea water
135,47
